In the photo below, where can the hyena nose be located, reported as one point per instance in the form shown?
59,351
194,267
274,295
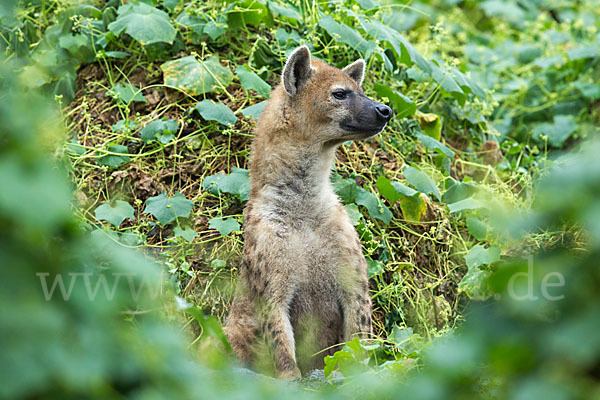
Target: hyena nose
384,113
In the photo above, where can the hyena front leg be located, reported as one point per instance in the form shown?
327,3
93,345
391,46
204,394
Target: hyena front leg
241,325
280,334
355,301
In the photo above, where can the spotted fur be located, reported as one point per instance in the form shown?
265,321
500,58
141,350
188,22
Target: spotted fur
303,283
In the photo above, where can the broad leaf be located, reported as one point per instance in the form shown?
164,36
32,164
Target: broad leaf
404,106
557,132
403,189
421,181
474,284
590,91
414,207
387,190
251,81
431,125
127,93
347,189
285,10
224,226
254,110
219,112
114,212
458,191
466,204
113,160
477,228
405,51
163,131
186,233
248,12
343,33
353,213
236,183
435,145
374,268
196,77
479,255
375,207
144,23
167,209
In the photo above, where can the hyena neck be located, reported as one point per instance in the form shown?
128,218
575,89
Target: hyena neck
292,181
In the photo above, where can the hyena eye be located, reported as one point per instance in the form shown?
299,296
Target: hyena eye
339,94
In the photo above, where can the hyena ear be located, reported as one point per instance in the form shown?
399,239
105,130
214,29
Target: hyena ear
356,71
297,70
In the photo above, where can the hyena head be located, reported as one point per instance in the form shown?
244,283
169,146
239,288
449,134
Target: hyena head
329,103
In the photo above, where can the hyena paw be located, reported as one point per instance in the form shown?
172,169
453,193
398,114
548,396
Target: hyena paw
289,374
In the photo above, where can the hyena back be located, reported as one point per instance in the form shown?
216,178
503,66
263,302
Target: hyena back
303,283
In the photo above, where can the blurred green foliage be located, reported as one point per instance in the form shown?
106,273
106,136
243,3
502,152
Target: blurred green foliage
460,75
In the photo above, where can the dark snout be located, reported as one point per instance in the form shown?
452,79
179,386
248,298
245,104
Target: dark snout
384,113
367,117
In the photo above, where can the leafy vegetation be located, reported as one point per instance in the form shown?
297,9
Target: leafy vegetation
489,162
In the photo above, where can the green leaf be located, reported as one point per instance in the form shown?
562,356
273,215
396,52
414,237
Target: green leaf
403,189
458,191
117,54
479,255
285,10
445,79
80,47
251,12
404,106
236,183
504,9
144,23
387,190
224,226
254,110
405,51
414,207
367,4
353,213
584,51
347,189
421,181
467,84
431,125
474,284
251,81
127,93
219,112
196,77
114,212
590,91
477,228
112,160
374,268
186,233
215,29
163,131
375,207
167,209
124,126
558,132
345,34
435,145
466,204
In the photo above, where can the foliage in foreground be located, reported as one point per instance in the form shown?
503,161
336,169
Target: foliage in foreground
423,198
110,348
